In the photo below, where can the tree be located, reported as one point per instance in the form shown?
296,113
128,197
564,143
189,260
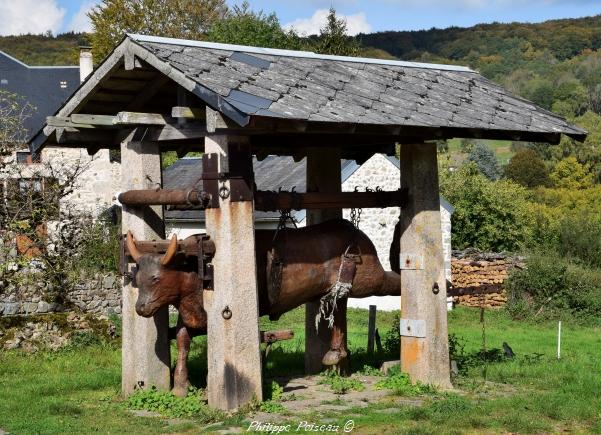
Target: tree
527,168
486,161
489,215
333,38
13,113
189,19
243,26
570,174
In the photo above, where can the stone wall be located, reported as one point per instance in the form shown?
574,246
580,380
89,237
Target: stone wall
100,294
478,271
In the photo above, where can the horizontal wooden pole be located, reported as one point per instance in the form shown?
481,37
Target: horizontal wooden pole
273,336
187,246
273,201
269,201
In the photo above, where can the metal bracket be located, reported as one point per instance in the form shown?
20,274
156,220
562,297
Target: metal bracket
410,261
413,328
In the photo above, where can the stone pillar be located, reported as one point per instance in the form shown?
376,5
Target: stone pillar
145,343
424,336
234,356
323,175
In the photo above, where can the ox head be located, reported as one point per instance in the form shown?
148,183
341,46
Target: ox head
157,282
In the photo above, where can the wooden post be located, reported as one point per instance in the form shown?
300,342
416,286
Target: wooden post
145,343
323,175
424,335
371,329
234,357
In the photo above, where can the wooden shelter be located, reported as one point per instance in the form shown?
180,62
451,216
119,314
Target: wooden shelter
153,94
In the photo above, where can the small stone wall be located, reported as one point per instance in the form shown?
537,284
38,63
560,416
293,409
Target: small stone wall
99,294
474,270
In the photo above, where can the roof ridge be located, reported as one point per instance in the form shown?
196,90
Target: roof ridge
294,53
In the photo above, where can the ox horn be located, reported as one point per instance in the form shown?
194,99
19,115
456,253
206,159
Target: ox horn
171,251
132,248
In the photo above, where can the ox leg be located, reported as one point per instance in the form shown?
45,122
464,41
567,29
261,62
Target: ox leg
180,374
337,357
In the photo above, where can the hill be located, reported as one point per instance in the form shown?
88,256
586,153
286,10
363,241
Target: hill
44,49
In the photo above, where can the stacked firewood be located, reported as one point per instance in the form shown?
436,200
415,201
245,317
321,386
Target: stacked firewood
479,278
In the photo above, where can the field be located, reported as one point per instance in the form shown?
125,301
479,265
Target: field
77,390
501,148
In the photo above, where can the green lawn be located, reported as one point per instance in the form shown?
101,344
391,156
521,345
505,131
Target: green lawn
502,149
77,391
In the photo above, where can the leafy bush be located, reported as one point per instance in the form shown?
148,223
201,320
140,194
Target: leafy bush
527,168
369,371
100,250
392,339
340,384
401,385
169,405
488,215
551,286
580,236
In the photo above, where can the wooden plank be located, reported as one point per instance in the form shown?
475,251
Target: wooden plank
149,91
145,341
140,118
274,336
234,354
188,112
80,118
371,329
174,133
216,122
424,300
323,175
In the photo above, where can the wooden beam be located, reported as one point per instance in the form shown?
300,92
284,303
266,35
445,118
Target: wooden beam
131,62
139,118
273,336
97,120
189,112
424,336
216,121
148,92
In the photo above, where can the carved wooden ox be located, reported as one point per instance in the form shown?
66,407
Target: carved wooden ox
299,266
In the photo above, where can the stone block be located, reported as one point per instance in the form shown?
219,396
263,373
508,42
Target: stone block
387,365
108,282
11,309
43,307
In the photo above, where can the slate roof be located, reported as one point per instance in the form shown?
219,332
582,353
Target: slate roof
270,174
251,81
40,86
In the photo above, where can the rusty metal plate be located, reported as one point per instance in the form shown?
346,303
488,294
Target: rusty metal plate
410,261
210,184
413,328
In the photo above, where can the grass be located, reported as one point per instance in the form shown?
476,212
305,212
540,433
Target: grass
502,149
77,391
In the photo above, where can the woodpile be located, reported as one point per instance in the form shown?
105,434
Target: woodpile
479,278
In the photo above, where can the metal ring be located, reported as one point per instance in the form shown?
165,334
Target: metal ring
226,313
435,288
224,192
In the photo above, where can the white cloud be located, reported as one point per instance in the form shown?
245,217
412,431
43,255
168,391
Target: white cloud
30,16
355,24
80,21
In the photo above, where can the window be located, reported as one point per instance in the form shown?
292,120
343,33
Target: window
63,84
26,158
3,82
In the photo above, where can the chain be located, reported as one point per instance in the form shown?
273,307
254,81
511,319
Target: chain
356,216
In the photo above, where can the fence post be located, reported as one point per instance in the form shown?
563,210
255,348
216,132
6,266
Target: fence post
371,329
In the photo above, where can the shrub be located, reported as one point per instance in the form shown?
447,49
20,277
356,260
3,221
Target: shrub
551,286
392,339
527,169
581,237
488,215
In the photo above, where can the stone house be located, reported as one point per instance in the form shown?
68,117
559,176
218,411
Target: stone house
46,88
380,171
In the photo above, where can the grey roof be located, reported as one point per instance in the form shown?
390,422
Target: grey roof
39,85
271,173
250,81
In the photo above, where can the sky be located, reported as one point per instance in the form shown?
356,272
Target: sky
308,16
